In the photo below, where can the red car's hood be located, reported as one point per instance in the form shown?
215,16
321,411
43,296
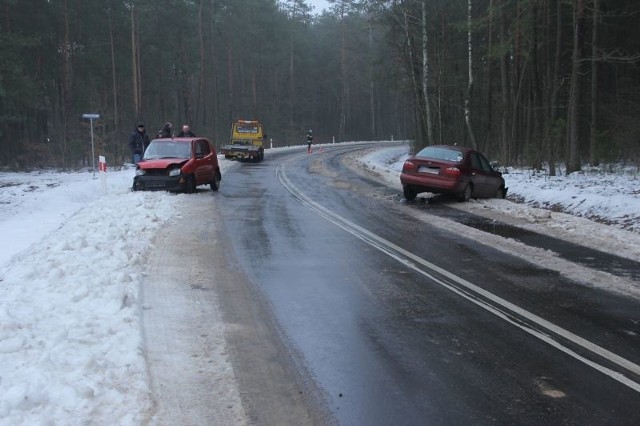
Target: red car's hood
162,163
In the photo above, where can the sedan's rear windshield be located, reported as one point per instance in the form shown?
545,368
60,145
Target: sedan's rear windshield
167,149
440,153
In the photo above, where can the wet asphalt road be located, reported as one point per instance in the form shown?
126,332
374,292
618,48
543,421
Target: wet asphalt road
392,320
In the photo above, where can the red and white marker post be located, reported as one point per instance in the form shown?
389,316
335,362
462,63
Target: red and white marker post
102,168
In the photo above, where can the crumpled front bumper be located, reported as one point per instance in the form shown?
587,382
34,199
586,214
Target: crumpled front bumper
160,183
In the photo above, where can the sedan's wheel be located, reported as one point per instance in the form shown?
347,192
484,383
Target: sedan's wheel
466,193
215,182
410,194
502,193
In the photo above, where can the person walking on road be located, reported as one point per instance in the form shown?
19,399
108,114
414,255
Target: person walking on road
309,140
138,143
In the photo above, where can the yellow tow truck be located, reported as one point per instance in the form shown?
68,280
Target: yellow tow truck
247,141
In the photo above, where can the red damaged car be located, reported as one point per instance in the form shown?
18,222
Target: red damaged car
453,170
178,164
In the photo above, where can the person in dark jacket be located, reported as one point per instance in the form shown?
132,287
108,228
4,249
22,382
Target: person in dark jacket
309,140
167,131
138,143
186,132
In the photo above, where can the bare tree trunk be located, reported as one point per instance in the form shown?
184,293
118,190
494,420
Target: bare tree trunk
201,107
442,55
546,139
66,83
504,84
214,74
138,67
134,64
254,93
489,130
343,74
416,85
573,163
291,74
594,84
516,81
372,104
425,74
518,117
186,83
553,90
467,101
536,136
230,78
116,118
7,15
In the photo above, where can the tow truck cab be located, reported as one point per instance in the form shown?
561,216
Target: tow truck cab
247,141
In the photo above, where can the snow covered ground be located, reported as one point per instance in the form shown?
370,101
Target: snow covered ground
71,265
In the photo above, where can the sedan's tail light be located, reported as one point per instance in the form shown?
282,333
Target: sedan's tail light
408,166
452,171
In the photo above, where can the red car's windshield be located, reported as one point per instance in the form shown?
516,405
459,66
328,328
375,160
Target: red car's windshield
167,149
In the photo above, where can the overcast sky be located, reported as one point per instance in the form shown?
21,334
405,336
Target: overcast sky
319,5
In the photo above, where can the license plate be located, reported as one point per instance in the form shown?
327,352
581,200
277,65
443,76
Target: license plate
425,169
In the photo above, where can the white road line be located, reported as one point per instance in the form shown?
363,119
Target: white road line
412,261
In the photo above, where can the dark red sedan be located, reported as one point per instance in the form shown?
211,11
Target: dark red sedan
453,170
178,164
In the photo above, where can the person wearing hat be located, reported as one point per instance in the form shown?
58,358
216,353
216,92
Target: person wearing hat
138,142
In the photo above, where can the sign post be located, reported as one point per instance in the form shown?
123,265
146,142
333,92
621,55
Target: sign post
92,117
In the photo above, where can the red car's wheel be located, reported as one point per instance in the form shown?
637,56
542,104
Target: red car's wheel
410,194
215,182
466,193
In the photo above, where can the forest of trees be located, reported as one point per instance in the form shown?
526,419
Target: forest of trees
529,82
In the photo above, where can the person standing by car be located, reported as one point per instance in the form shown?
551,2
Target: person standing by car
309,140
186,132
167,131
138,143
